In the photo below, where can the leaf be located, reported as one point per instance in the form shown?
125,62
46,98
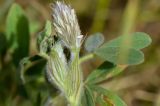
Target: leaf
48,28
108,96
93,42
44,39
116,71
33,78
137,40
45,33
105,71
31,68
100,73
123,56
101,102
17,33
89,97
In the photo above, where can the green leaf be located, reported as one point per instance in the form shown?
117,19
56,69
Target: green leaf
137,40
108,96
31,68
32,75
45,33
89,97
43,37
116,71
17,33
123,56
101,102
104,71
100,73
48,28
93,42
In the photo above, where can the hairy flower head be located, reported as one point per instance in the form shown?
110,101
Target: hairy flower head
63,70
66,25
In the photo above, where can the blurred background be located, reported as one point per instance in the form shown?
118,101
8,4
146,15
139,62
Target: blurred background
137,85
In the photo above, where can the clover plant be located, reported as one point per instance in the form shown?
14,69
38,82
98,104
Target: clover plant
59,58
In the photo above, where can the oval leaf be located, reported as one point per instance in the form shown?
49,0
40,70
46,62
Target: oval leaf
93,42
137,40
121,56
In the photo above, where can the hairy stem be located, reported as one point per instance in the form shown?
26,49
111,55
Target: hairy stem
87,57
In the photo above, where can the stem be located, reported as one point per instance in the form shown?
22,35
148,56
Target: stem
73,104
73,101
85,58
76,80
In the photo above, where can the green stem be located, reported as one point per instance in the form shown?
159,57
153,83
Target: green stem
87,57
76,81
74,102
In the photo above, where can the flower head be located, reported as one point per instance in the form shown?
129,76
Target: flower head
62,71
66,25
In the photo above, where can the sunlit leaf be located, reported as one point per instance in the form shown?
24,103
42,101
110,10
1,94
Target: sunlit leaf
93,42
